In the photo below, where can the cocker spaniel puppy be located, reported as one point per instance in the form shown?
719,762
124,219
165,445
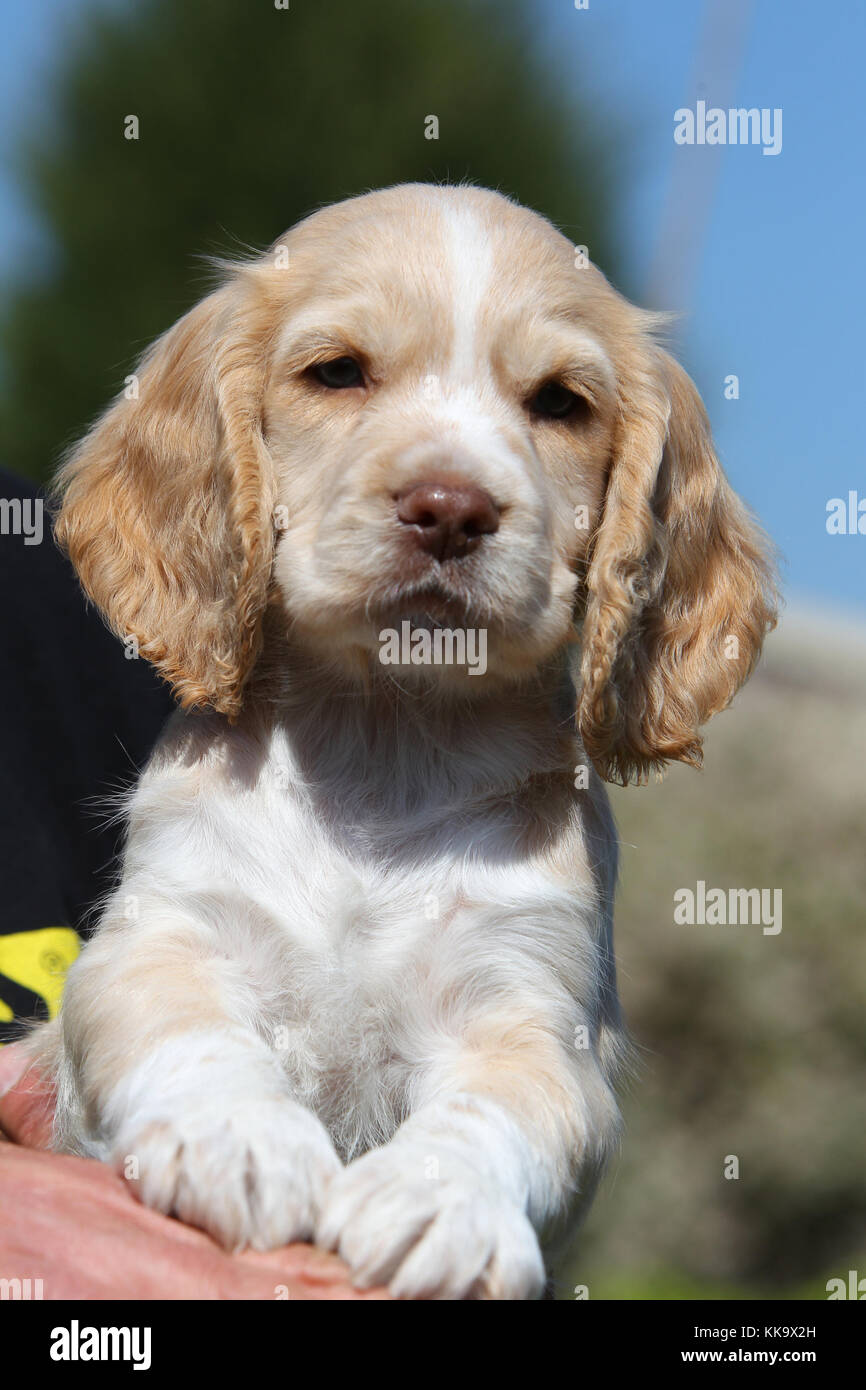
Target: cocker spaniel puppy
387,509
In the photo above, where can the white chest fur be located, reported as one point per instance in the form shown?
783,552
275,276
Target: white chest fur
362,885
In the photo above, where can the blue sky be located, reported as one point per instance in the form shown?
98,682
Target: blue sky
777,290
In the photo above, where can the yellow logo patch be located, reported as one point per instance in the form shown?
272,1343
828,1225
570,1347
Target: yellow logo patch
38,961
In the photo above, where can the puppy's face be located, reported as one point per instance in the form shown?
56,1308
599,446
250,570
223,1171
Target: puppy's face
422,406
439,409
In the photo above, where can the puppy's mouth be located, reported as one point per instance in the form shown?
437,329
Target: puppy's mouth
427,604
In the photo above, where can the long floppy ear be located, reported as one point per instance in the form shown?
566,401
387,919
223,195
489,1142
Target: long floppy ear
680,588
167,504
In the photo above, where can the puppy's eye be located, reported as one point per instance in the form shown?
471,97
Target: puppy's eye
339,374
555,402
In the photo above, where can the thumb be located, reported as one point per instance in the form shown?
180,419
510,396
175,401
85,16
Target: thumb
26,1099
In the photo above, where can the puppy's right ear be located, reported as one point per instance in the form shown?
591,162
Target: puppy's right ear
166,507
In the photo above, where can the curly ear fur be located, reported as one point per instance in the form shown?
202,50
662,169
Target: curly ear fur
680,589
167,504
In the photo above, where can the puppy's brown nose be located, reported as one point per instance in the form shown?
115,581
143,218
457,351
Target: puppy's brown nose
448,519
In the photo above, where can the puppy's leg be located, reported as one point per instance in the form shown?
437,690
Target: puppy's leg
164,1073
503,1125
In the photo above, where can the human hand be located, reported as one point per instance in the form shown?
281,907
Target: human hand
75,1224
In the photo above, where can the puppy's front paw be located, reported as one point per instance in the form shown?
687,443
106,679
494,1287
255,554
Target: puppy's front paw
426,1236
256,1175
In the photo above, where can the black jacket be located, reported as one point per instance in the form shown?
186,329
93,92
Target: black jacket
78,721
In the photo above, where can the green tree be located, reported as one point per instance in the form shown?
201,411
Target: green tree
250,116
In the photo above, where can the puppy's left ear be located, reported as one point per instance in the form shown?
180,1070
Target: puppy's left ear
680,589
